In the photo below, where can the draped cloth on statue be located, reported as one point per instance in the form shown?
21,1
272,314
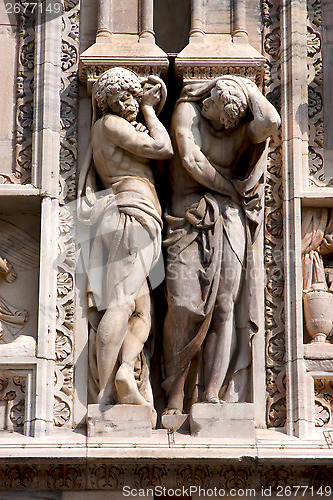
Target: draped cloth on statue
195,247
126,243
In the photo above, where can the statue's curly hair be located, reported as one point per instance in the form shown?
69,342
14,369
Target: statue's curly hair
113,83
230,98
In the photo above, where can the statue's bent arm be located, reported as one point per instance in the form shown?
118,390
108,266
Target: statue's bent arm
266,119
188,138
122,134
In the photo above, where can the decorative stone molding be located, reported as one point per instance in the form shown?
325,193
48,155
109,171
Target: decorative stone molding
108,476
274,301
64,343
210,56
196,70
143,67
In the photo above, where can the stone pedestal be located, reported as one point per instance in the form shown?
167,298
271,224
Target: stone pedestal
226,420
119,420
179,423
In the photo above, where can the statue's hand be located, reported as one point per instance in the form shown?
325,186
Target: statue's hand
10,275
151,95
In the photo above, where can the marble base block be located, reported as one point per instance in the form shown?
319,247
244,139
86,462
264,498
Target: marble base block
318,350
225,420
119,420
176,422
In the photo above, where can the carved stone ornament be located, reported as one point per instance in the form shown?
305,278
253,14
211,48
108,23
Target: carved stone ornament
274,258
110,476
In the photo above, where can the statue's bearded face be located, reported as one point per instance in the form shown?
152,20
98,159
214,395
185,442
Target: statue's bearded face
124,104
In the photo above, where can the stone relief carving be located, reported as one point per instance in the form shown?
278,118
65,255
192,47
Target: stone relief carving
127,215
317,242
218,172
274,259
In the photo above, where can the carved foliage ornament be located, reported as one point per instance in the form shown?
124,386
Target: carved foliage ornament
274,260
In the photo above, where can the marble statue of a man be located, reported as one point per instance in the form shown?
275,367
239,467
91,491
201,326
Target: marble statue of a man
220,130
117,194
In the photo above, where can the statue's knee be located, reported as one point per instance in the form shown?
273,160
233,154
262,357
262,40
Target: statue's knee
224,307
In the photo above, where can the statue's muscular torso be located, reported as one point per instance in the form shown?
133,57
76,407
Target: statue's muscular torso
119,169
222,148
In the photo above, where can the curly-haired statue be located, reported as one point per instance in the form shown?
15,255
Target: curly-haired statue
117,195
220,131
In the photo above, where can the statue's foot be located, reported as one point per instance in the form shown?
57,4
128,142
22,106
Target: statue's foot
104,397
172,411
127,389
206,398
128,392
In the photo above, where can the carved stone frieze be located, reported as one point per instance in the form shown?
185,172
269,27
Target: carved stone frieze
90,74
274,261
197,70
107,475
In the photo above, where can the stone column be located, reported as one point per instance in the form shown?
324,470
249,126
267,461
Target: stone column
294,161
104,29
45,174
197,20
239,33
147,34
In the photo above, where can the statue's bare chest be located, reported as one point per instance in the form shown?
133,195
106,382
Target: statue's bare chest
221,147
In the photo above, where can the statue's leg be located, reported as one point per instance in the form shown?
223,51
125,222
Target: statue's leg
110,336
175,337
137,333
221,338
182,321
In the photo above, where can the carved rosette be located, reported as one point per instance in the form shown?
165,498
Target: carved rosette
274,300
64,371
315,96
